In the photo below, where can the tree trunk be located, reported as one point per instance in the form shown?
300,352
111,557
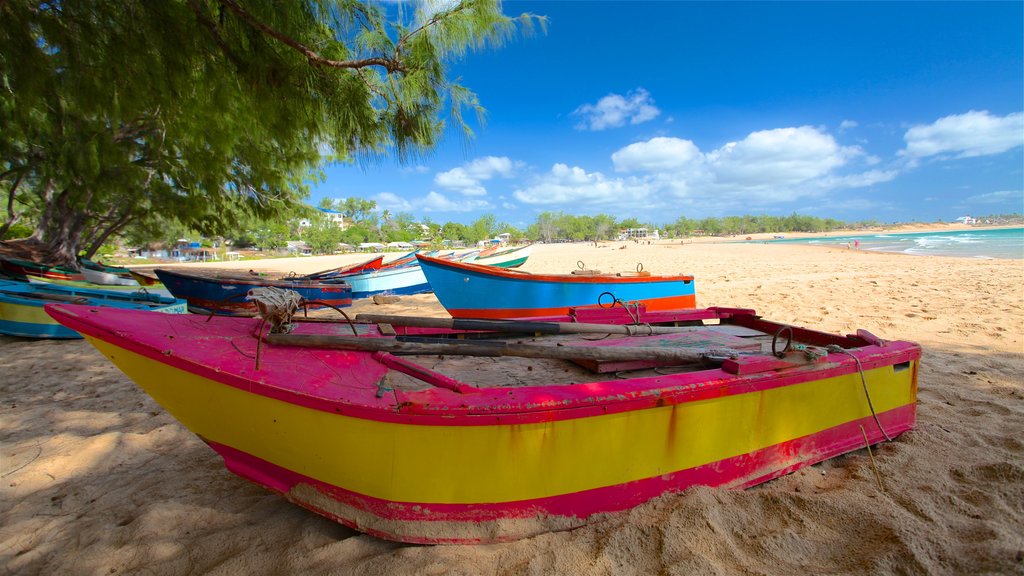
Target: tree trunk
117,226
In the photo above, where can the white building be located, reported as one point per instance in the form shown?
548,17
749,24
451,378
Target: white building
335,217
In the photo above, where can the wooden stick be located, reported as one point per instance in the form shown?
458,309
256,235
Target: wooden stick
492,348
520,326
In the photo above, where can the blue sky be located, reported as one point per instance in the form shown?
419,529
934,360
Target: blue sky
655,110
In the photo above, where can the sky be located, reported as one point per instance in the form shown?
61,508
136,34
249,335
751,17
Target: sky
895,112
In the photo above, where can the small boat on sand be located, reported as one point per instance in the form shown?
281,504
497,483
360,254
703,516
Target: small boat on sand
403,279
22,314
102,274
22,269
144,278
502,257
227,294
395,429
468,290
365,266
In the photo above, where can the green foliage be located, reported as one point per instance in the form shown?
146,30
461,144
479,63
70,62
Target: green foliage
482,229
747,224
322,236
18,230
208,112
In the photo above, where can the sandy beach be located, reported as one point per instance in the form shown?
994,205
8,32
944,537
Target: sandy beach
98,479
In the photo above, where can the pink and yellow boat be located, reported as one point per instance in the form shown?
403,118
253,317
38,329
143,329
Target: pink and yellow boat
441,449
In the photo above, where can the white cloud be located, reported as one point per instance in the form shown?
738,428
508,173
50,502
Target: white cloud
615,110
435,202
392,202
783,163
998,197
847,125
765,167
966,135
468,179
655,155
432,202
575,186
779,157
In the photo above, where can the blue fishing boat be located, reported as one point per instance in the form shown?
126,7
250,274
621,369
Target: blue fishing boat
473,291
22,314
226,294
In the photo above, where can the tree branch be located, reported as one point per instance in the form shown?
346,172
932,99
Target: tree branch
211,27
390,64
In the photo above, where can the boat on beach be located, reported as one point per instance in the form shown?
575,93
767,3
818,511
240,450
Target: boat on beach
144,278
101,274
502,257
22,269
226,294
22,314
469,290
395,427
365,266
401,280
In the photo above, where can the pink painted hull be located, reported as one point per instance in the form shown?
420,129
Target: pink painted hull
453,462
734,473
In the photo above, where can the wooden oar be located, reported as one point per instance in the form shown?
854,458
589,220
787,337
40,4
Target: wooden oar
520,326
494,348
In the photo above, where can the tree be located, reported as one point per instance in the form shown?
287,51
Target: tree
322,236
482,229
205,111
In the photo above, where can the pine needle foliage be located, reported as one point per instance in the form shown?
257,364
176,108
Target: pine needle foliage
207,111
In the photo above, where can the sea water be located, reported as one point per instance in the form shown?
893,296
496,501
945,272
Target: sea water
991,243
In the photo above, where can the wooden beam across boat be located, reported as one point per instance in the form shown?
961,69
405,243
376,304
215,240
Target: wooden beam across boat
495,348
519,326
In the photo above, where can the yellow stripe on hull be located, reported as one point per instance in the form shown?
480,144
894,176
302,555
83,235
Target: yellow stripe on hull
33,314
502,463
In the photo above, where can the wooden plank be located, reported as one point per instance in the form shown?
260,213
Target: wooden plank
707,337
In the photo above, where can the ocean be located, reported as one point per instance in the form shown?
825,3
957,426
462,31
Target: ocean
993,243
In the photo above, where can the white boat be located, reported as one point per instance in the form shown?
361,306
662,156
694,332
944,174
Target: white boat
508,258
401,280
106,278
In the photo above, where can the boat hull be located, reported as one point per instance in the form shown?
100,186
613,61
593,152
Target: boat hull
509,258
490,465
106,278
228,296
22,313
471,291
402,280
23,269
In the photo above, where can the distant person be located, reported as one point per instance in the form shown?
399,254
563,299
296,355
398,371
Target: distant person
856,244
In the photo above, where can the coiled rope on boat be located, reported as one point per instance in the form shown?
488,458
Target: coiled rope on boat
276,306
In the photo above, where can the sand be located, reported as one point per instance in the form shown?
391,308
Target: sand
98,479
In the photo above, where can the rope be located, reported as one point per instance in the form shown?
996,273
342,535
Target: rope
276,306
863,382
634,314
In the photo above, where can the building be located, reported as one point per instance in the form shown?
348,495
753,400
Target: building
639,234
333,216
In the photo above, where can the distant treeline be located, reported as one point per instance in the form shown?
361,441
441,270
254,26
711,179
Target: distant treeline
364,223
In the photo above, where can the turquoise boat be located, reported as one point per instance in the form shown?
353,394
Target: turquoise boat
21,306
